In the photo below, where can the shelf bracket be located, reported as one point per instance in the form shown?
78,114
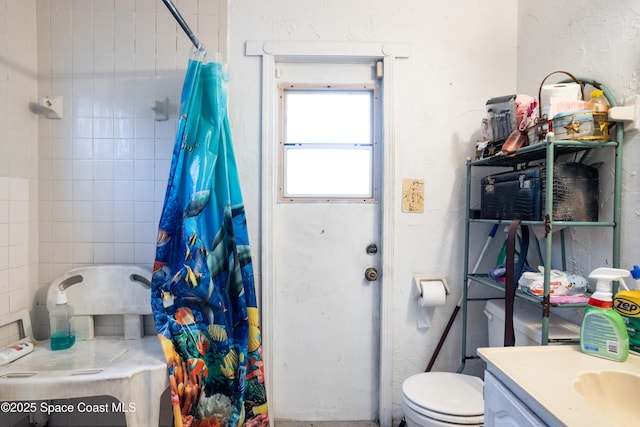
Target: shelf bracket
629,113
546,306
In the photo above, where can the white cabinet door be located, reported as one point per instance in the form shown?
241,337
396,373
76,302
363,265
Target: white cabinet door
502,408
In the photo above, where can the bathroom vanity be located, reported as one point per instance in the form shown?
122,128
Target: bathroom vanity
559,386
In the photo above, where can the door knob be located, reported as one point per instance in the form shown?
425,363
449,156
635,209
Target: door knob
371,274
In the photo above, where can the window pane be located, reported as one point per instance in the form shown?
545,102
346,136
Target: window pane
342,117
328,171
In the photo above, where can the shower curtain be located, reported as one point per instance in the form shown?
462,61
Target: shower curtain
203,294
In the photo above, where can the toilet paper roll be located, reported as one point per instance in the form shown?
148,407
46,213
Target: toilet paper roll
432,294
558,90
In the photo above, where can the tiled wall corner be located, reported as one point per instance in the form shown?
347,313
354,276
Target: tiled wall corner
103,167
18,160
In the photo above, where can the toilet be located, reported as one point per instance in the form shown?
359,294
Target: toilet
442,399
445,399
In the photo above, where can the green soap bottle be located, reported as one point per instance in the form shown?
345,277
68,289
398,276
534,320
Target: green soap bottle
603,332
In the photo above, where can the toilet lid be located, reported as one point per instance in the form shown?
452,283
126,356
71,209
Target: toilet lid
446,393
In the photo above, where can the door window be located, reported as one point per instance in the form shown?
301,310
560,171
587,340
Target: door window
327,143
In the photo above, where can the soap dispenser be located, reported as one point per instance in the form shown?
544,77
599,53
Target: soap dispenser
603,332
63,334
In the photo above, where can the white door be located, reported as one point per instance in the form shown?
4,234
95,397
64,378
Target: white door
325,300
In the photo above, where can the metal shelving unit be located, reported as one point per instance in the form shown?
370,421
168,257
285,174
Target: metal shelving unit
545,152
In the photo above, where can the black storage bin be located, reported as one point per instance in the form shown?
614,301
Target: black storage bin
521,194
512,195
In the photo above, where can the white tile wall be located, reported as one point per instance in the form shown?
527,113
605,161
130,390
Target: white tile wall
102,166
87,188
18,160
14,251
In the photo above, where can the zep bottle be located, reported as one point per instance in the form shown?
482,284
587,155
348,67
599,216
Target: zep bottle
627,303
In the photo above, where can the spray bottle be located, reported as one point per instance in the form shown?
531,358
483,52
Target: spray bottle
627,303
635,273
603,332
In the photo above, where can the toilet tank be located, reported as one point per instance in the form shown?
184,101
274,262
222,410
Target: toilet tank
527,324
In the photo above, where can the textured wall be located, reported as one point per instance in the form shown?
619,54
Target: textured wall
598,40
457,62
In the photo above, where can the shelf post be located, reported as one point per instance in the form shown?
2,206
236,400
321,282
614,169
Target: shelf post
550,158
617,192
465,279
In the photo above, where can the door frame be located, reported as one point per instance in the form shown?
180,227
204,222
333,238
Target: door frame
386,54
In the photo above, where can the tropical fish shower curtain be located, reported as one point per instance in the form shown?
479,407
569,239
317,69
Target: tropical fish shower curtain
203,294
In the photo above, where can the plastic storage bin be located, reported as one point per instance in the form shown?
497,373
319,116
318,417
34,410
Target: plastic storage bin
527,324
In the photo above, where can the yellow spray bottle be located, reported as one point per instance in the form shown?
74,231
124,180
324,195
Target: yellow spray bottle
627,303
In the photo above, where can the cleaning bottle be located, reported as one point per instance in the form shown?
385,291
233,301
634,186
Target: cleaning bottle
16,350
627,303
603,332
63,334
635,273
601,104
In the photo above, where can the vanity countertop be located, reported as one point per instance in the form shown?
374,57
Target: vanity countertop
543,378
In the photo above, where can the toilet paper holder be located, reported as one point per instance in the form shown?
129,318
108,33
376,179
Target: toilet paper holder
417,280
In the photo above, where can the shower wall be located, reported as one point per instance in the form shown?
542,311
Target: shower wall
87,188
18,159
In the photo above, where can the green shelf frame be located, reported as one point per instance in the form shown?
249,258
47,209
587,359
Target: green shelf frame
545,152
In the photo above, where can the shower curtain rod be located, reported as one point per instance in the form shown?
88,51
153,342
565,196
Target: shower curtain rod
183,24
